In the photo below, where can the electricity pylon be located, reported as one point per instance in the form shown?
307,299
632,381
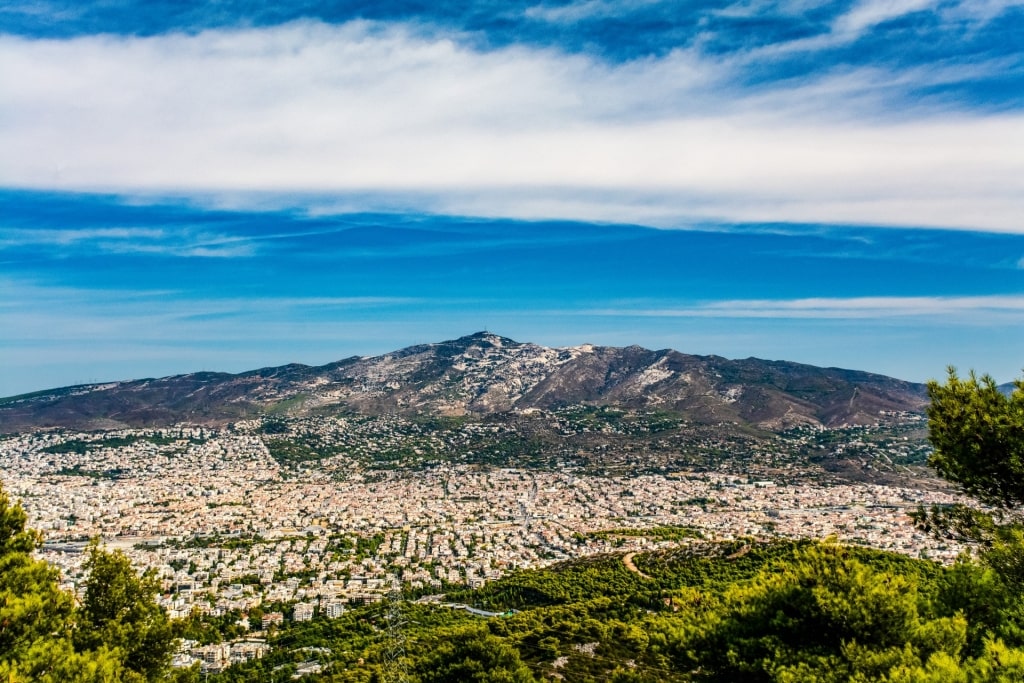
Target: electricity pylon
394,650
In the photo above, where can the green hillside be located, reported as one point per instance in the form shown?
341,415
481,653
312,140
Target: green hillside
784,611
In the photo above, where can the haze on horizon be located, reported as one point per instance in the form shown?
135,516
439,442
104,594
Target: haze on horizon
223,187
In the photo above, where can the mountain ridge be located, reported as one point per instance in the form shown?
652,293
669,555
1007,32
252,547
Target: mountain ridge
480,374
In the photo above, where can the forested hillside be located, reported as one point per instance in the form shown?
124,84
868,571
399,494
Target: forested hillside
786,611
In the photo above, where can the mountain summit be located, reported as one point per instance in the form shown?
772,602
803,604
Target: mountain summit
480,374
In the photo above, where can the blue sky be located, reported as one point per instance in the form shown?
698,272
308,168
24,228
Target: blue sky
230,185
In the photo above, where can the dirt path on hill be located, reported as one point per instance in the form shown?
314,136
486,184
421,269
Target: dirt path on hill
627,560
739,553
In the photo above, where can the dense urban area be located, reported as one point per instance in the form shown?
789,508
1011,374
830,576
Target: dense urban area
281,519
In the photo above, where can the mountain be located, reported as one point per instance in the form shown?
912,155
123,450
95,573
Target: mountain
1008,388
481,374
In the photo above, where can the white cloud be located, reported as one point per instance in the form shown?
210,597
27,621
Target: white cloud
585,9
869,13
364,111
863,17
16,237
960,309
35,301
979,12
131,240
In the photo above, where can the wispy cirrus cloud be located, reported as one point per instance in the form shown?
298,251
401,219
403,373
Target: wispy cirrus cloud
18,237
977,12
869,13
979,309
31,299
952,25
574,12
128,240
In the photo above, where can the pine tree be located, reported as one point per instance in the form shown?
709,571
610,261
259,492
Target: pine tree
978,434
37,617
119,611
819,616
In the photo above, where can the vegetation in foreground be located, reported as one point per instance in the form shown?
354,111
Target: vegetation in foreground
117,633
785,612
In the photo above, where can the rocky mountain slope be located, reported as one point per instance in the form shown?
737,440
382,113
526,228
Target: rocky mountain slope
482,374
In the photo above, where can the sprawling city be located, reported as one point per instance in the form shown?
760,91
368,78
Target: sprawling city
311,516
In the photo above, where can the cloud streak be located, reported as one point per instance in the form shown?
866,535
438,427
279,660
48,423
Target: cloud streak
978,309
128,240
366,109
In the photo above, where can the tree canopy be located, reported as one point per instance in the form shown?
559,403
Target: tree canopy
978,435
119,611
119,634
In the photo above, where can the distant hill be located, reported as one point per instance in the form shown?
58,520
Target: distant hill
482,374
